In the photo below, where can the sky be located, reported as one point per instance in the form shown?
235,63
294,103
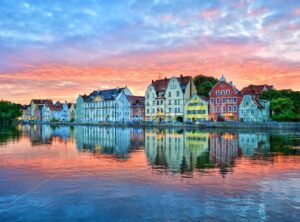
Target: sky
58,49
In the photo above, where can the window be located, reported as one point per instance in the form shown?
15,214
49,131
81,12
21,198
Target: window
161,102
153,102
223,100
252,111
217,92
229,100
223,109
157,102
234,108
212,109
211,100
175,110
241,111
222,85
234,100
217,100
227,91
177,93
170,103
175,102
170,94
178,110
230,109
218,109
170,110
223,92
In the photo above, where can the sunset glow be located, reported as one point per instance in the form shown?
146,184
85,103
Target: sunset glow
60,49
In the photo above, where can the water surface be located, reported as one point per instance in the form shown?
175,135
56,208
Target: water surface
132,174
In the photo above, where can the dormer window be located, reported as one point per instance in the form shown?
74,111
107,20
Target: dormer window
222,85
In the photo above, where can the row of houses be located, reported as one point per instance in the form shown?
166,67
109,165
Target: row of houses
166,100
44,110
176,100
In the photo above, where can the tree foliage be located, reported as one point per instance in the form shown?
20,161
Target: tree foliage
9,111
285,104
204,84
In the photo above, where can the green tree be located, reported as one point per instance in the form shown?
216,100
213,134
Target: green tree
9,111
204,84
285,104
282,106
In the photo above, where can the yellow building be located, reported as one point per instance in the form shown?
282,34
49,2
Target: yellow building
196,109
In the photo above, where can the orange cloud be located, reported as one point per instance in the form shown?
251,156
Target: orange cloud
65,82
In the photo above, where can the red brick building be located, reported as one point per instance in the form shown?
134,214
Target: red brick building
137,108
224,100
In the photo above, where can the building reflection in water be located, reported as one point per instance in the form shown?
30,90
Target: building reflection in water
109,140
254,143
45,134
223,150
169,149
176,150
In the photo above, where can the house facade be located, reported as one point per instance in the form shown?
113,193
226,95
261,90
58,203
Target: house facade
196,109
137,108
72,111
252,109
109,105
36,106
165,99
224,100
58,111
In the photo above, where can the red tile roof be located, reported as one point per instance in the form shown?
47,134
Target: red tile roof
255,89
133,100
161,85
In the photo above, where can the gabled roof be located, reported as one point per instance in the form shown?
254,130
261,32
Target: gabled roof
256,89
223,79
134,100
161,85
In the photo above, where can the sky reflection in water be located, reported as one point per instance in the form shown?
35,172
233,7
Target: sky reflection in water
104,174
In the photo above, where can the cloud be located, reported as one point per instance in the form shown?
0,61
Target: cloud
61,49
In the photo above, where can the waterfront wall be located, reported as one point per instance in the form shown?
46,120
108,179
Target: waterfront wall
203,125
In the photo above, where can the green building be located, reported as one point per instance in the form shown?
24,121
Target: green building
252,109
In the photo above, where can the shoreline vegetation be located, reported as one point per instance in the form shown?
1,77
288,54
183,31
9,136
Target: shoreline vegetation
204,125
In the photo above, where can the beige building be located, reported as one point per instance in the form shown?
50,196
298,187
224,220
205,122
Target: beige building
165,99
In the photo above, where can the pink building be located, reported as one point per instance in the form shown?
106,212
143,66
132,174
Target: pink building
137,108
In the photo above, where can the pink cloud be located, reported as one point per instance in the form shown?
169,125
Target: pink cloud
236,60
210,13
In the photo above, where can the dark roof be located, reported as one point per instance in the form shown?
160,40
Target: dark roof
56,107
70,104
161,85
134,100
107,94
257,103
42,101
255,89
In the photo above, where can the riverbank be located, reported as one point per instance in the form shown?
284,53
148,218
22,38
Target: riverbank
222,125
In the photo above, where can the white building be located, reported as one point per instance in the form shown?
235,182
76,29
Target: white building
109,105
165,98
